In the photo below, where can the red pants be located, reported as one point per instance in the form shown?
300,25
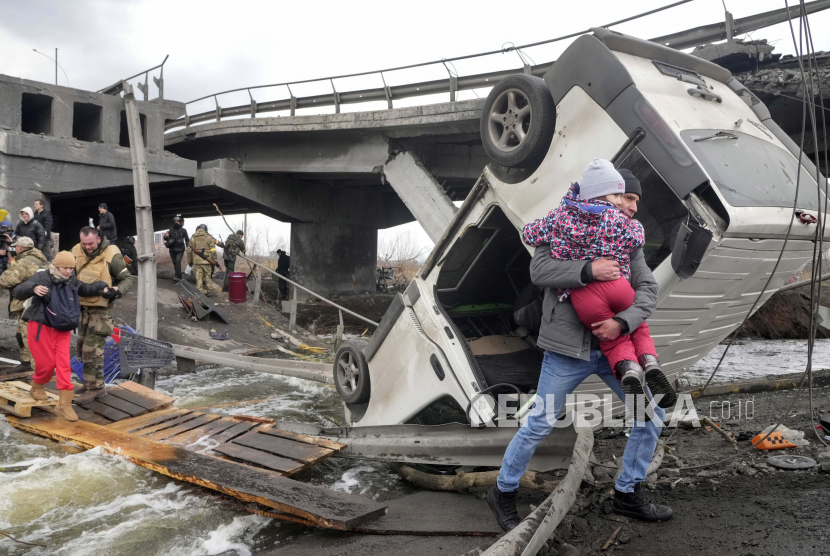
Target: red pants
600,301
50,351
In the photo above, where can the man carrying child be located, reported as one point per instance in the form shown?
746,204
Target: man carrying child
573,349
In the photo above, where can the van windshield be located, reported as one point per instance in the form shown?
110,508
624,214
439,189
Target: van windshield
750,172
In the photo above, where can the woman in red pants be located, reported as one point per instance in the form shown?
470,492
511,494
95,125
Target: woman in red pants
54,309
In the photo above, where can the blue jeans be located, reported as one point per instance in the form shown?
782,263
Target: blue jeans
560,376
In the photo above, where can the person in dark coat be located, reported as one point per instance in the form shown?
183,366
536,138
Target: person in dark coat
283,268
106,223
176,240
127,246
30,227
50,346
45,218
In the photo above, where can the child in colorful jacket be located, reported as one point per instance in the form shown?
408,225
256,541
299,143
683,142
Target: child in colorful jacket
588,225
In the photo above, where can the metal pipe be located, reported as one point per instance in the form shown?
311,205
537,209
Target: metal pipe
317,372
801,283
318,296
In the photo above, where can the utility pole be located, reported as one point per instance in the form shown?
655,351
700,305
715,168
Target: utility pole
245,225
56,65
147,312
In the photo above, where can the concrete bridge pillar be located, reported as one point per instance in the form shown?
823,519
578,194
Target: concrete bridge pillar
420,192
332,258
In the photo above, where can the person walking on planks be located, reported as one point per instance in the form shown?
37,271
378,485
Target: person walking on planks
97,260
201,255
176,241
106,223
572,354
234,245
45,218
54,312
28,260
283,268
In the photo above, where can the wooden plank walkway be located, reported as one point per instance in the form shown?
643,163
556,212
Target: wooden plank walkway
239,456
301,501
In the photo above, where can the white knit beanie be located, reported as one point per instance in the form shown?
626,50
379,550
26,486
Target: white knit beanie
600,178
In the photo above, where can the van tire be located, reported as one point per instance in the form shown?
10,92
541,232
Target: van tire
351,373
523,141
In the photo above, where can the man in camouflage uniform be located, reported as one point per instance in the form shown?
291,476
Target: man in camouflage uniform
27,261
96,259
201,255
234,245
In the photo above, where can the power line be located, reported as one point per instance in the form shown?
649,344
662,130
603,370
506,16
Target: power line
455,59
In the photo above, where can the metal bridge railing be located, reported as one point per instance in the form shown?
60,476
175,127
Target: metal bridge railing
452,84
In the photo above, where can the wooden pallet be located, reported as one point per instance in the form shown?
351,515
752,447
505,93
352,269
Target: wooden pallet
15,399
125,401
149,441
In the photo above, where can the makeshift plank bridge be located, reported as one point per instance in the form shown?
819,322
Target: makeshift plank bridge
243,457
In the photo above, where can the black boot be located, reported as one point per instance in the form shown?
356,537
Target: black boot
634,385
22,368
503,505
657,381
83,395
634,504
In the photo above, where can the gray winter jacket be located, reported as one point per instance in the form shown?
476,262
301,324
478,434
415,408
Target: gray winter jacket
561,331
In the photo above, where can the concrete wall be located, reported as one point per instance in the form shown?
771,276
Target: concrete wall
75,164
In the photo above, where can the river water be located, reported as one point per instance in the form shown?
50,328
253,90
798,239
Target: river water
91,503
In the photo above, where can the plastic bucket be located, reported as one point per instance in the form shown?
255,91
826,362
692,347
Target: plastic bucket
237,289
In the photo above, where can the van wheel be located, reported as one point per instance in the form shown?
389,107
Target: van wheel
351,373
518,121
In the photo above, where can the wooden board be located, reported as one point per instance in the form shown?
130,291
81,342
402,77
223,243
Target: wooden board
15,398
169,423
184,427
283,447
162,400
319,505
148,420
234,431
90,416
130,396
212,428
115,402
283,465
109,412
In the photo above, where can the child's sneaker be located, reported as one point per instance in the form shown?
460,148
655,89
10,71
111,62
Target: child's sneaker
657,381
634,385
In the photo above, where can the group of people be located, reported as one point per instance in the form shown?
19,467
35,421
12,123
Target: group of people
75,290
201,255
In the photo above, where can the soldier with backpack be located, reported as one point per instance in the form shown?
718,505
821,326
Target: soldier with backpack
234,245
55,311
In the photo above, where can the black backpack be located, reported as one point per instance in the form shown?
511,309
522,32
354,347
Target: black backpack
64,309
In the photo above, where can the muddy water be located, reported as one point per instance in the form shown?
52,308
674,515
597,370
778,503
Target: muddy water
92,503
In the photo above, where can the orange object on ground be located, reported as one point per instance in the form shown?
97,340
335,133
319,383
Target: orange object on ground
775,441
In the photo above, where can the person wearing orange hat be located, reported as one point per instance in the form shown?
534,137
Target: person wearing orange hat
55,311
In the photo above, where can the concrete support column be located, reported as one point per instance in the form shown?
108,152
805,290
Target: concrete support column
333,258
421,193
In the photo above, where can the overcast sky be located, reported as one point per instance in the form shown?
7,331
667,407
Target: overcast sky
219,45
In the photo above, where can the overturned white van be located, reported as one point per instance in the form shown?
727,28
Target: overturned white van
719,179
